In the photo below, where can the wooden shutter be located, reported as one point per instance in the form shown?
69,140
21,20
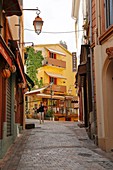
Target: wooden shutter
8,107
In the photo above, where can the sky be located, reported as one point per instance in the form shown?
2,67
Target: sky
56,15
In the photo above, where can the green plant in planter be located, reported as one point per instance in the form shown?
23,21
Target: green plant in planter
49,113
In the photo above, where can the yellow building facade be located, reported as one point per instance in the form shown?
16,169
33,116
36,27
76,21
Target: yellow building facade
58,77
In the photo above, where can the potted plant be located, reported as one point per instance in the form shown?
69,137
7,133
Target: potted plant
49,114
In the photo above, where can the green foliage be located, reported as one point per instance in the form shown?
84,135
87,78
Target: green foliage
33,62
49,113
63,43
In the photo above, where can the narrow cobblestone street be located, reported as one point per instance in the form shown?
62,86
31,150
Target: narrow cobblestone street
55,146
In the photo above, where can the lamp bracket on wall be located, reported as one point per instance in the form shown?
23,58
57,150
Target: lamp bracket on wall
27,43
38,11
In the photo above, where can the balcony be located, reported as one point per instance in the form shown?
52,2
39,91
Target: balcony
54,62
56,89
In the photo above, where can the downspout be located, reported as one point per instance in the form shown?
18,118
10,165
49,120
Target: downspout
1,4
99,20
92,82
97,29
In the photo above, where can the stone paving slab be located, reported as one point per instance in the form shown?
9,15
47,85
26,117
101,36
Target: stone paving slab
56,146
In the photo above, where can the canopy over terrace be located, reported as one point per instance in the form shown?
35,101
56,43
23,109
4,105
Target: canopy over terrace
55,75
39,93
60,103
55,51
49,96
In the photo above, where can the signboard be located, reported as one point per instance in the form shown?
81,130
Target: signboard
74,62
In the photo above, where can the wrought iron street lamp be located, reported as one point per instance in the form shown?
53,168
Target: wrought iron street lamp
38,23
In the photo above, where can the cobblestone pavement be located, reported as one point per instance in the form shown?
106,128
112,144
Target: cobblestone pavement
55,146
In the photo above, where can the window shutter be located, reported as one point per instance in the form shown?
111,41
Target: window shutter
8,107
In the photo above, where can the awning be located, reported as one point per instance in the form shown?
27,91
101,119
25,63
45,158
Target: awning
29,80
56,52
12,7
36,91
39,93
55,75
20,68
42,95
18,59
68,97
85,51
6,52
58,97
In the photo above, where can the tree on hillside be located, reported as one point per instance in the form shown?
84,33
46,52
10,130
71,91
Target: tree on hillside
63,43
33,62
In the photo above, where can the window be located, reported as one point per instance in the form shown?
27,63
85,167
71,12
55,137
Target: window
52,79
109,12
52,55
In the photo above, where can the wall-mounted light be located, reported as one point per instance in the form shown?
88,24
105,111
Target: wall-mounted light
38,23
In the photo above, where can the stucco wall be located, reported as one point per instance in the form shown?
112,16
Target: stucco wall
104,95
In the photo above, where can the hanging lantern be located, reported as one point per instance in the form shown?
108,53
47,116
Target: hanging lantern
13,68
6,73
38,23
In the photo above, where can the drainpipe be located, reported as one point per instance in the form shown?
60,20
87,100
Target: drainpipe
99,20
93,131
98,28
1,2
